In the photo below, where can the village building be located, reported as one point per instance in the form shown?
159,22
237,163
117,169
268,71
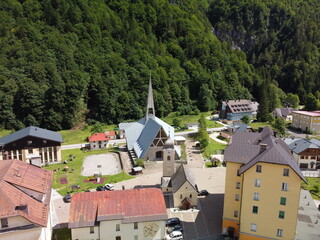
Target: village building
121,215
111,134
306,152
25,194
235,110
146,137
33,145
285,113
98,141
180,183
235,127
262,188
306,121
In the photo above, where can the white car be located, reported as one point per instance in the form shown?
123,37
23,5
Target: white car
175,235
109,187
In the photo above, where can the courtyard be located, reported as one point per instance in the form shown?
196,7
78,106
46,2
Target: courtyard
105,164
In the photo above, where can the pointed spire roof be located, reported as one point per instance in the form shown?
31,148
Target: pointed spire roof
150,105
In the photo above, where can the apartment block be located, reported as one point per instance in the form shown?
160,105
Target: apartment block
262,188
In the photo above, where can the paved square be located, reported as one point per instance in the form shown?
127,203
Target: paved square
106,164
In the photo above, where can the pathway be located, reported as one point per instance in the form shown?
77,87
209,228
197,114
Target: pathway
214,137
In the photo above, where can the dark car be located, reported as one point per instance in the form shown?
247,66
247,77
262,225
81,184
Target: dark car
67,198
203,193
100,188
172,222
175,228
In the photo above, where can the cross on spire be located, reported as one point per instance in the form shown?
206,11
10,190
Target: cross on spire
150,105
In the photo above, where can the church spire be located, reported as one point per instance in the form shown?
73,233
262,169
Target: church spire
150,105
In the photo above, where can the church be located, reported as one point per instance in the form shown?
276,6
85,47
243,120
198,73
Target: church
146,137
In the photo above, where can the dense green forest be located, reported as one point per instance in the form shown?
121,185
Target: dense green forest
280,37
65,61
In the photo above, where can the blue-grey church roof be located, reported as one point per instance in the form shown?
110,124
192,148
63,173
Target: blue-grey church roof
33,132
141,134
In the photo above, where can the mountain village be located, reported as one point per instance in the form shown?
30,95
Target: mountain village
254,192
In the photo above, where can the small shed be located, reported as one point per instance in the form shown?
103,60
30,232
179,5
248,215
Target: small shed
137,170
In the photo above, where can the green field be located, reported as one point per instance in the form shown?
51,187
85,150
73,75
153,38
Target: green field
5,132
257,125
75,176
313,186
81,135
190,119
212,148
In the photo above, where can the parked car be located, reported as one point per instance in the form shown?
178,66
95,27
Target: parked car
109,186
67,198
175,235
172,222
100,188
203,193
175,228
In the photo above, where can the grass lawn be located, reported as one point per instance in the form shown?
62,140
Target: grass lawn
5,132
313,185
61,234
212,148
75,177
257,125
81,135
190,119
210,165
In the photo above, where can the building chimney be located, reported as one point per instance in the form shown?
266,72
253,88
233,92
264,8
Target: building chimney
263,147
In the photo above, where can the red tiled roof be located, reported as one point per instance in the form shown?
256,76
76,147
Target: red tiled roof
98,137
134,205
17,179
111,133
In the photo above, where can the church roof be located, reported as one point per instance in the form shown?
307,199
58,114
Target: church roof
145,134
182,175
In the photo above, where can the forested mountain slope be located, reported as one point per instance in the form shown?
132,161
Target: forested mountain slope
280,37
63,59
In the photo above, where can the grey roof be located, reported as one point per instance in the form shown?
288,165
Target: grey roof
33,132
283,112
182,175
300,145
169,144
241,105
124,125
315,141
241,127
140,134
246,149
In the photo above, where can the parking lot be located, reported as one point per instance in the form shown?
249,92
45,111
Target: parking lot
206,220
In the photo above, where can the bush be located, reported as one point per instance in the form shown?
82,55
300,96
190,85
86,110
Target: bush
140,162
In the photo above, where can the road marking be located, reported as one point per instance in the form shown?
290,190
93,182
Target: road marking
202,213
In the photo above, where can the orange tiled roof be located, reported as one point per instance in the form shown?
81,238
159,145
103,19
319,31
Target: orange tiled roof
98,137
25,191
134,205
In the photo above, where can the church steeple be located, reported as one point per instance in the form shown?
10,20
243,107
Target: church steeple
150,105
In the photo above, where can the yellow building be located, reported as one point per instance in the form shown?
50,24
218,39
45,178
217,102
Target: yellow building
307,121
262,188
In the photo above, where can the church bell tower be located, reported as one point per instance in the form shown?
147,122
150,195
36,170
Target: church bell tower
150,105
168,158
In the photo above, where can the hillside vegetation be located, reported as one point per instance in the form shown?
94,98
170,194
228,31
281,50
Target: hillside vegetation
280,37
66,61
62,60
